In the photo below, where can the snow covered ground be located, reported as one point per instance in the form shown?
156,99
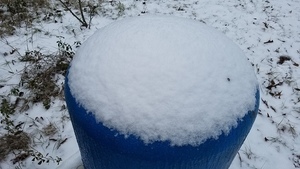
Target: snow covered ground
267,31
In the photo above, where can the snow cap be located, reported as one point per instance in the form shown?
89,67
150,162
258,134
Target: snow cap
163,78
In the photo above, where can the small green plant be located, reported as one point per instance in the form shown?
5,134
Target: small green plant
40,158
65,49
120,8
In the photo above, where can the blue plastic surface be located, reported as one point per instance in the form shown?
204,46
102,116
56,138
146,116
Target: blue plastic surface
103,148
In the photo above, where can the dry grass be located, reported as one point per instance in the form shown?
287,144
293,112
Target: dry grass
40,76
18,141
18,13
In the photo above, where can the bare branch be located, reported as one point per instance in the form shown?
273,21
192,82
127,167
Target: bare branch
83,22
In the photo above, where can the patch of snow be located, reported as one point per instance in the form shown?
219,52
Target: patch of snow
163,78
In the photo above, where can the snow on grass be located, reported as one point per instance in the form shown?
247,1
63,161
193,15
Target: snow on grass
264,30
163,79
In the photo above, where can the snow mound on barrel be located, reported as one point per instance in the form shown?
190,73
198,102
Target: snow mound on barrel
163,78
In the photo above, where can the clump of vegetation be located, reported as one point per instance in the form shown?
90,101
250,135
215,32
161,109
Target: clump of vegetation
18,141
7,109
15,13
42,80
41,74
15,139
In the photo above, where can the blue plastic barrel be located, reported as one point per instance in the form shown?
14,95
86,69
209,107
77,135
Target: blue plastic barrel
159,77
104,148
